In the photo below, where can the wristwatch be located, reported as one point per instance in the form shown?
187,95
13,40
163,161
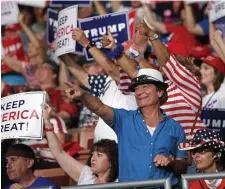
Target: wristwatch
154,37
90,45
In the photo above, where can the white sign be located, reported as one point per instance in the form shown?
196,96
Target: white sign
217,11
21,115
39,3
9,12
67,22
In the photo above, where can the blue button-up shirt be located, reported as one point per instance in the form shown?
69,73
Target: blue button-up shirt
137,148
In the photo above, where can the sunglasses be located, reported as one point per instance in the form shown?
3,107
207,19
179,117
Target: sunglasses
200,150
143,78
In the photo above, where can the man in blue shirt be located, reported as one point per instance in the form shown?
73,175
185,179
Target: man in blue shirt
20,169
148,140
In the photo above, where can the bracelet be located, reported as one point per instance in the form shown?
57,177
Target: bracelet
114,54
90,45
49,129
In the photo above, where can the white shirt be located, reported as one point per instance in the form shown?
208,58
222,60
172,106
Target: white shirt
115,98
216,99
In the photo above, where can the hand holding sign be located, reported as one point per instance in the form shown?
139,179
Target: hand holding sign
79,36
74,91
21,18
108,41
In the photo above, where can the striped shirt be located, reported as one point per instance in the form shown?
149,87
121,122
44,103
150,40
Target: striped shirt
124,83
184,96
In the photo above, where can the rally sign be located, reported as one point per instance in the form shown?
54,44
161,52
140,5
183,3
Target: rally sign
21,115
217,11
52,25
95,27
67,22
9,12
39,3
13,47
56,3
213,118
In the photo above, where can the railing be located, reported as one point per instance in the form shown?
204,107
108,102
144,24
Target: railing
200,176
48,187
156,182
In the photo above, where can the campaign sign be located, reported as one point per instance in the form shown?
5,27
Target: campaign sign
213,118
9,12
56,3
39,3
52,25
217,11
95,27
13,47
67,22
21,115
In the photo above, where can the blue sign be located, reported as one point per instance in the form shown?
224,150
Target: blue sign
96,27
213,118
52,25
84,3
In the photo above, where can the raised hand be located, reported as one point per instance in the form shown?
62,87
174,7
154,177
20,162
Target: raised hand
74,91
79,36
108,41
46,112
217,35
143,29
21,18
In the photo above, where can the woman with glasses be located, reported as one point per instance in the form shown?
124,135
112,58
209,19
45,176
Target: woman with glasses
208,151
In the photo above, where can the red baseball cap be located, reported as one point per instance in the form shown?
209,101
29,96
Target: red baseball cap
215,62
176,49
12,28
200,51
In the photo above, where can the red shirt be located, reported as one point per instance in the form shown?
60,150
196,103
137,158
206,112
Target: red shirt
200,184
181,35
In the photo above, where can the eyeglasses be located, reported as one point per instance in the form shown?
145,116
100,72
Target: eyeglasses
143,78
200,150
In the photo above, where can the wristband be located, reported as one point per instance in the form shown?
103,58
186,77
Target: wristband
114,54
49,129
90,45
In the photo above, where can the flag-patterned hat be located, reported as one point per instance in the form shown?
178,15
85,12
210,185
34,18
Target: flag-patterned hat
205,138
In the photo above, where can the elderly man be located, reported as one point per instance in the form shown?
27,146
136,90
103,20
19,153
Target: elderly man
148,139
20,169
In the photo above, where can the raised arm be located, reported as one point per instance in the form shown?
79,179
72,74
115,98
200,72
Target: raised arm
107,64
70,165
128,64
99,7
218,44
92,103
158,26
33,39
191,25
13,63
160,50
78,71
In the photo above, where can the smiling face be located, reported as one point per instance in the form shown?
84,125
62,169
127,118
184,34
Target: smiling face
147,95
17,167
203,159
45,73
99,163
207,74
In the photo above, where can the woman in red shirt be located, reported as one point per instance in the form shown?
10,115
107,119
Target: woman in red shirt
207,150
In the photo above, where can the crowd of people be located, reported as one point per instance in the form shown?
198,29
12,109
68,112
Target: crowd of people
145,107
